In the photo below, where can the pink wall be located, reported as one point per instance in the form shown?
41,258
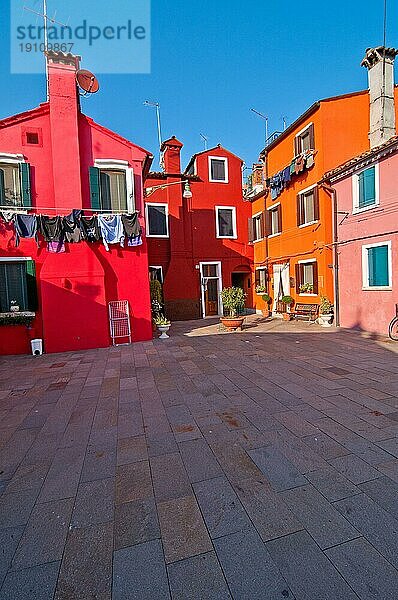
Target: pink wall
370,310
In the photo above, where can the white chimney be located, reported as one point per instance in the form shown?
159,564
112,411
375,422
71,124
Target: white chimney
380,64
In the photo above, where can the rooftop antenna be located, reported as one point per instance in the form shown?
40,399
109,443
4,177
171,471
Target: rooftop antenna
284,123
265,119
45,18
156,105
205,139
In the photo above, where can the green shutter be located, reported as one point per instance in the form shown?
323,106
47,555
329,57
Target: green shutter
378,266
2,189
31,285
367,187
95,188
24,173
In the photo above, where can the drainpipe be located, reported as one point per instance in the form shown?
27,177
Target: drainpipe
331,190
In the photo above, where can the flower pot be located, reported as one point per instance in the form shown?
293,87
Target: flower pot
286,316
163,330
232,323
325,320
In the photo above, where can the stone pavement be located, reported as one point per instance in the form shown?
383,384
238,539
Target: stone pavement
261,464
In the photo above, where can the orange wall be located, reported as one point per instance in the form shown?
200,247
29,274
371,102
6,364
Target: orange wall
341,128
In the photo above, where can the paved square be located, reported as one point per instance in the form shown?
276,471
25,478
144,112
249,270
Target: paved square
261,464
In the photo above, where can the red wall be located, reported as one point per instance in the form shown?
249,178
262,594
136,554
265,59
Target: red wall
74,287
192,227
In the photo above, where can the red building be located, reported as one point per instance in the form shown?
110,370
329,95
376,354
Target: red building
197,245
54,159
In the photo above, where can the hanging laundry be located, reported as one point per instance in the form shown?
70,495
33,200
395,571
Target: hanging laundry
293,166
72,229
7,215
25,227
276,185
90,229
132,229
300,164
52,229
112,230
286,176
310,160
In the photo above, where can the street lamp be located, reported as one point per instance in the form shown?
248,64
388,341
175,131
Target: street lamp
187,188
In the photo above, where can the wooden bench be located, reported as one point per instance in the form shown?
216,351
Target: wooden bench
309,311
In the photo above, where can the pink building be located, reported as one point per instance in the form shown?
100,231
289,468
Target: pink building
367,238
364,192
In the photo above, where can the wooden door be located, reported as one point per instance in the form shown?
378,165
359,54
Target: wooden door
211,298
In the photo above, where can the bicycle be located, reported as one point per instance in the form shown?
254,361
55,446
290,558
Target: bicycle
393,327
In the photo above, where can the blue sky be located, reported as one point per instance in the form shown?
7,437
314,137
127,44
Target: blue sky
213,61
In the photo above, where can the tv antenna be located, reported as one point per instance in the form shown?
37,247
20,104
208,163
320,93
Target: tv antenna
265,119
205,139
156,105
46,19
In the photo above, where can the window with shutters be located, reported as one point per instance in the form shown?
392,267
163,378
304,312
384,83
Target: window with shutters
261,280
308,207
366,189
274,220
226,222
307,277
10,185
218,169
304,140
157,219
256,227
13,286
112,186
376,266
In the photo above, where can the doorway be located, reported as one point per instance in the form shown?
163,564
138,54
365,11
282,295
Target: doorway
211,285
281,282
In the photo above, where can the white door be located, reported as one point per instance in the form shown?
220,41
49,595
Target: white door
281,282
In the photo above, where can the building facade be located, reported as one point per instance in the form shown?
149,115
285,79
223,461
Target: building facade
292,211
366,200
197,245
54,159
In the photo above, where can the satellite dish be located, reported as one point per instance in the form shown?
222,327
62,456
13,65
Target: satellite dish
87,82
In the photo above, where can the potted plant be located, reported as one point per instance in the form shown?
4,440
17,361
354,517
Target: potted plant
156,300
307,288
260,289
325,312
287,301
266,298
233,300
163,325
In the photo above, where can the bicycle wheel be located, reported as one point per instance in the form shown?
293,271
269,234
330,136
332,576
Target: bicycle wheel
393,329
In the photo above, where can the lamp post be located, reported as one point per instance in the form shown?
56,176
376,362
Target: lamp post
187,188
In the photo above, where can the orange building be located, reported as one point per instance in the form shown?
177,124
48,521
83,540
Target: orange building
292,214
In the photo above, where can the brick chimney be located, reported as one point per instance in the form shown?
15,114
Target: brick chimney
172,155
380,64
64,117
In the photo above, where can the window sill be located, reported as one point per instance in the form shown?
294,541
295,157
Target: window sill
358,211
20,313
218,181
378,288
308,224
307,294
259,240
152,235
226,237
274,235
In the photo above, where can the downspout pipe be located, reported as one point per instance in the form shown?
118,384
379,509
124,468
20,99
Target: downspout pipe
332,191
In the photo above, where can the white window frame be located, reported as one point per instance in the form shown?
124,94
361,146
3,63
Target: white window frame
365,267
120,165
13,159
255,217
355,189
270,208
152,235
223,158
299,135
234,226
202,288
265,271
160,269
305,262
303,192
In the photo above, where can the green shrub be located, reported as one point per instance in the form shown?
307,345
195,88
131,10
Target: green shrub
233,300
